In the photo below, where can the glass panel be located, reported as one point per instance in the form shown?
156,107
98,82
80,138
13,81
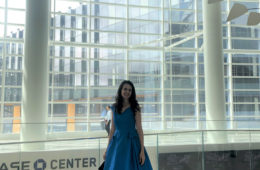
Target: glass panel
182,69
167,96
144,13
73,7
144,40
108,38
13,63
60,110
179,57
152,3
225,150
183,82
146,81
96,109
2,3
183,96
16,4
102,53
2,17
144,68
1,61
70,80
70,94
81,66
104,24
184,109
144,55
186,44
108,11
172,154
181,28
188,4
15,32
246,96
246,83
13,79
7,129
183,16
244,32
246,58
16,17
69,65
145,27
13,94
102,95
246,110
114,67
148,95
151,113
245,70
1,30
114,1
81,110
106,80
245,44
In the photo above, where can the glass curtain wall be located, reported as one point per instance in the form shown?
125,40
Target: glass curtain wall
157,44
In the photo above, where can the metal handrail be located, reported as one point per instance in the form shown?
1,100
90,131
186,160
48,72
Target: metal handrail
148,134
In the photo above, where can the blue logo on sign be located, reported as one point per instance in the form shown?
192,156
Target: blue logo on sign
40,164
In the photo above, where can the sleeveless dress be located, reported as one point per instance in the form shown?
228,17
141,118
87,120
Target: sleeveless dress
124,148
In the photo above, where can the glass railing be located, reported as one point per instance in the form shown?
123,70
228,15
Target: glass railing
181,149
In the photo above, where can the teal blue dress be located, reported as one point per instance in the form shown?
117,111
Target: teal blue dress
124,148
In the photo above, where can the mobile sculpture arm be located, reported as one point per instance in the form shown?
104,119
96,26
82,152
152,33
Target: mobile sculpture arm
238,10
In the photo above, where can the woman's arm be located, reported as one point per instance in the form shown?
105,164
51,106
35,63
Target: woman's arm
112,130
138,122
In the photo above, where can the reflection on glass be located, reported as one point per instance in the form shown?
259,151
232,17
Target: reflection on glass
70,95
13,94
147,55
103,53
144,68
148,95
145,27
70,80
150,3
15,32
143,39
108,38
68,6
101,95
107,67
246,83
108,11
144,13
146,81
106,80
13,79
104,24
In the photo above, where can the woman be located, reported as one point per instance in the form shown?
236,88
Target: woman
125,150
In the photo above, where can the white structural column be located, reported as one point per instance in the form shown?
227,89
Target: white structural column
213,66
35,75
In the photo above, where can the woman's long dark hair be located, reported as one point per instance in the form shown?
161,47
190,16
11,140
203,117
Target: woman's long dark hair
132,100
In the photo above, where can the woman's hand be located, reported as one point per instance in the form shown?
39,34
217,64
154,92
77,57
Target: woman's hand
104,155
141,157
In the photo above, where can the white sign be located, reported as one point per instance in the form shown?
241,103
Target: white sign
50,160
